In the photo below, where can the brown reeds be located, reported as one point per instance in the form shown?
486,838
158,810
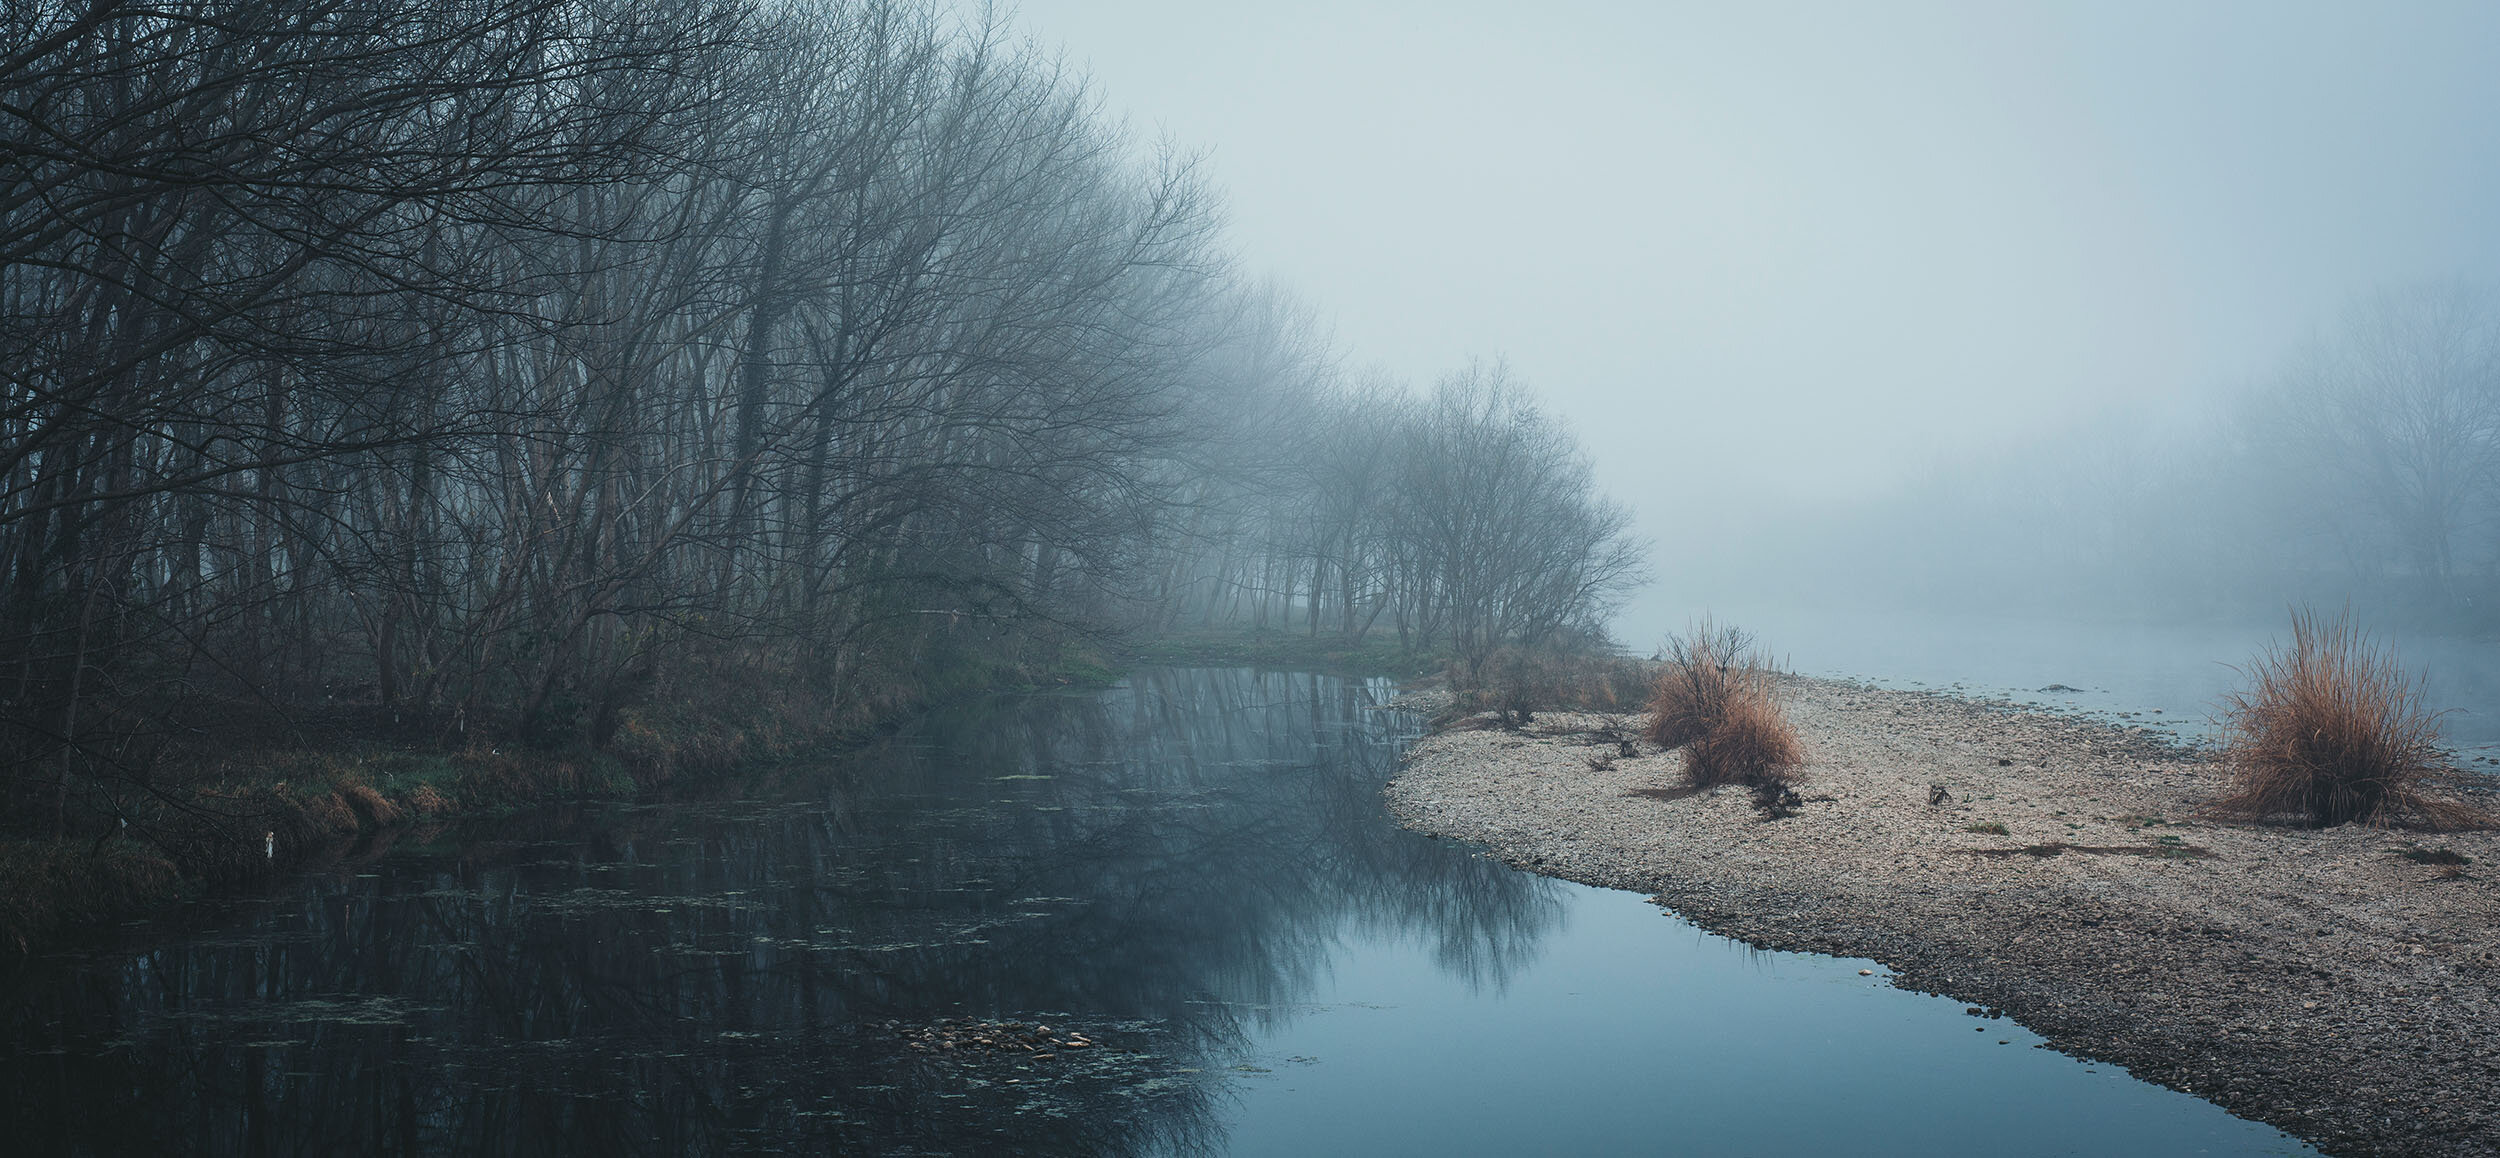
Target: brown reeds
2330,731
1515,683
1716,699
1704,669
373,810
1752,744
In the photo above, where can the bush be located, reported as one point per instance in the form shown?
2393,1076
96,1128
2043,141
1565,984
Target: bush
1716,699
1519,682
1703,672
2332,732
1752,743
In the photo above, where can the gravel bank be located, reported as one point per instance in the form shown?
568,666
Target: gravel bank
2320,981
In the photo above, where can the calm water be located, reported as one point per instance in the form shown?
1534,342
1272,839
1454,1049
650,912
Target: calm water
1193,870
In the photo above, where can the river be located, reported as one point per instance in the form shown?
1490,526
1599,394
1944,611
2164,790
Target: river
1190,873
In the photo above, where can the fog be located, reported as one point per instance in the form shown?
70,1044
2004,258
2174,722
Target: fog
857,353
1774,262
413,413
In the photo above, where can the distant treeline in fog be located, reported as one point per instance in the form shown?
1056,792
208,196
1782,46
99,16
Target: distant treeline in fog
2365,471
504,366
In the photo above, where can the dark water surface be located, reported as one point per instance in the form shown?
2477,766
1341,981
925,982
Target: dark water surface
1193,871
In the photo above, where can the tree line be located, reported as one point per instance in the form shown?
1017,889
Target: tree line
1464,520
512,369
2364,469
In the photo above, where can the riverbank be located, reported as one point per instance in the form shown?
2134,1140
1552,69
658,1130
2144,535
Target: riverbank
252,812
1329,653
343,782
2337,984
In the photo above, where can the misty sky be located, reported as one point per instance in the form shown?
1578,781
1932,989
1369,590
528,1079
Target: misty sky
1804,247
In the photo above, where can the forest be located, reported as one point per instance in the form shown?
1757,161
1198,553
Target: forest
602,377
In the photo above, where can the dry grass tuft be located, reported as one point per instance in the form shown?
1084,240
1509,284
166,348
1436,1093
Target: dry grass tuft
428,801
2332,732
1752,743
372,807
1704,670
1518,682
330,811
1716,700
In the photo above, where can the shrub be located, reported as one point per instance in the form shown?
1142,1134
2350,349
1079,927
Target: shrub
2331,731
1716,699
1704,670
1518,682
1751,743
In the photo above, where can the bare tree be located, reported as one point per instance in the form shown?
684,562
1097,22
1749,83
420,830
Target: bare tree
2399,412
497,365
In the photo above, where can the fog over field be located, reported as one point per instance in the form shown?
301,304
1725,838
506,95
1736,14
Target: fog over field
1779,263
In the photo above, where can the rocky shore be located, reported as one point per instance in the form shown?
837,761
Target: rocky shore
2338,984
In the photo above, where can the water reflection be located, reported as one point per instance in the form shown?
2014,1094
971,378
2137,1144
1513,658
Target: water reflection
1164,868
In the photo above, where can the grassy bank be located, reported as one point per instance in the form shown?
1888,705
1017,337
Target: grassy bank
260,799
251,812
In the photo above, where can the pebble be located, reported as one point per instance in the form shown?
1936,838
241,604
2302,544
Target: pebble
2200,970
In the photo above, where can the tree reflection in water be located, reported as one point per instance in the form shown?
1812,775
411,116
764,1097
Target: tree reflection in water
1164,867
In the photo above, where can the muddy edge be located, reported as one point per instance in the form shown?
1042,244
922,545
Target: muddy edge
2321,981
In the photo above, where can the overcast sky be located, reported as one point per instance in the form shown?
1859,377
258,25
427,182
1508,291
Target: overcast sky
1804,249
